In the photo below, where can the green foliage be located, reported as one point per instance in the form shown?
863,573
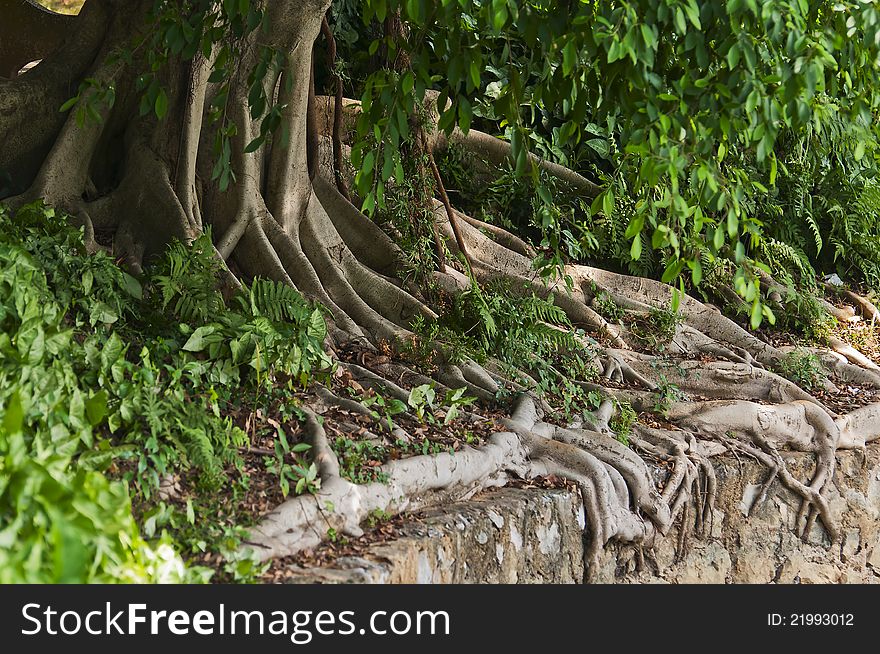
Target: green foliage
64,523
725,129
61,519
422,400
657,328
377,517
196,535
383,409
116,384
501,323
667,394
622,421
279,303
688,112
357,459
803,368
186,281
301,473
803,314
408,213
824,213
524,333
609,309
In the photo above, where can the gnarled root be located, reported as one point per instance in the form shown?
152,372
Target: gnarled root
798,425
417,482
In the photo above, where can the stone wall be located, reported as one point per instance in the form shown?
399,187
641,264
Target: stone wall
762,547
535,536
507,536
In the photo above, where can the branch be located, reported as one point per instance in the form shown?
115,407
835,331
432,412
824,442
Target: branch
500,152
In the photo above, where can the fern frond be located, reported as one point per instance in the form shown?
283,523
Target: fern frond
275,301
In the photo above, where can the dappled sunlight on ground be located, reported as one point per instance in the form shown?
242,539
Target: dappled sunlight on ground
63,6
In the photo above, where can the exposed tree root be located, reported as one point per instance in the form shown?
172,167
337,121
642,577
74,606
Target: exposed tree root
718,379
621,500
865,306
412,483
497,152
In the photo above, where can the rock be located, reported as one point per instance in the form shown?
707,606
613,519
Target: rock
506,536
496,518
808,572
750,496
754,565
536,536
851,544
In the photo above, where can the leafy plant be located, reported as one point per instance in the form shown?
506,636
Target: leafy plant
803,368
377,517
358,459
186,279
657,329
116,386
422,401
300,472
384,408
608,308
498,322
622,421
666,395
68,522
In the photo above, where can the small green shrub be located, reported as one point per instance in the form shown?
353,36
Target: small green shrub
666,395
657,329
422,400
622,421
803,368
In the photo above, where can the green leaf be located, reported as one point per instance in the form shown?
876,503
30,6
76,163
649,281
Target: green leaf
757,314
317,326
733,56
101,312
608,203
70,104
201,338
13,414
499,14
635,250
696,272
161,106
112,351
96,408
132,286
569,57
